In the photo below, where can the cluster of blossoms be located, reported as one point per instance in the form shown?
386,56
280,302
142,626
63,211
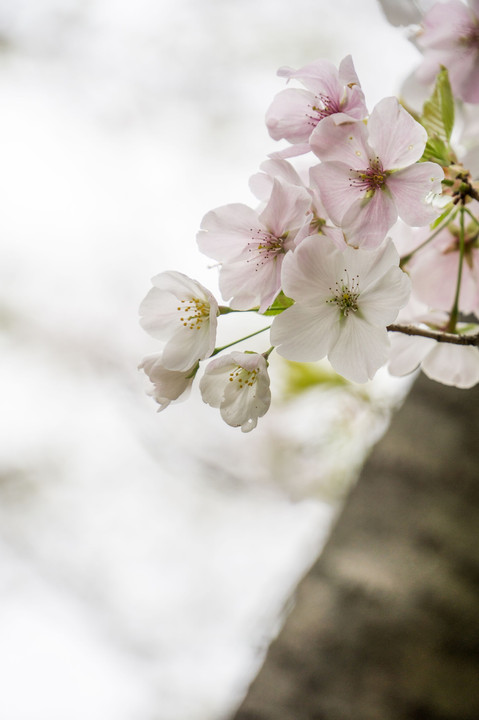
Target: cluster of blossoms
370,258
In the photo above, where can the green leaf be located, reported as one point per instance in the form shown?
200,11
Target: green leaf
442,217
437,151
280,303
438,119
300,377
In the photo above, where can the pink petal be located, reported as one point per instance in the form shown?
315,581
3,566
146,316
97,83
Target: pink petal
339,138
290,151
320,76
288,116
444,24
286,209
347,73
334,182
464,75
397,139
434,277
226,230
369,218
409,188
251,284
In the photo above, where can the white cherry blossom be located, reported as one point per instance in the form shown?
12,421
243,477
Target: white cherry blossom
238,384
183,314
167,385
343,304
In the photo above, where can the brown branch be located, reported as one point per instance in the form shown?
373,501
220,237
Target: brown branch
437,335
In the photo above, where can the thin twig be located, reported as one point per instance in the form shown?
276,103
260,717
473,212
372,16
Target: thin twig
437,335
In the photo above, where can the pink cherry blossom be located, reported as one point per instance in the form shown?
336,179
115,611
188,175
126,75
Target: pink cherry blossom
251,245
295,113
369,175
167,385
434,270
238,384
261,185
450,37
343,304
183,314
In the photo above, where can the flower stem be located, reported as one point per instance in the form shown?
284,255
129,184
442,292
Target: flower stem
437,335
235,342
225,310
473,217
451,326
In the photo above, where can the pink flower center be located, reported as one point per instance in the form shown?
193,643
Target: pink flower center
471,38
374,178
265,246
321,107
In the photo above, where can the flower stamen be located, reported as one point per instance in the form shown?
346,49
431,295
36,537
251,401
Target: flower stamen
374,178
244,378
346,294
199,312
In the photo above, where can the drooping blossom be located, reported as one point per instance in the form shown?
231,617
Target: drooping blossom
167,385
343,304
450,37
251,245
369,175
450,364
295,112
238,384
183,314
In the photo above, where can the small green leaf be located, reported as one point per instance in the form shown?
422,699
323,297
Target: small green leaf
437,151
280,303
442,217
300,377
438,119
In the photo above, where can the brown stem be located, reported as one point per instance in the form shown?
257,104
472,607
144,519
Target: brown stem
437,335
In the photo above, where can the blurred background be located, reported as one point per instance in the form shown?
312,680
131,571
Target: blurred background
146,559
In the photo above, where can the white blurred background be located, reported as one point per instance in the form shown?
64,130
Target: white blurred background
146,558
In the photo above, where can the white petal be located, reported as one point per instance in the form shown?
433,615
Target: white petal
380,303
452,365
308,273
305,333
360,349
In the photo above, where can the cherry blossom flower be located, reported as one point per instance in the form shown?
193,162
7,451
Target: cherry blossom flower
238,384
343,303
450,37
369,174
295,113
261,185
251,246
182,313
434,270
456,365
168,385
